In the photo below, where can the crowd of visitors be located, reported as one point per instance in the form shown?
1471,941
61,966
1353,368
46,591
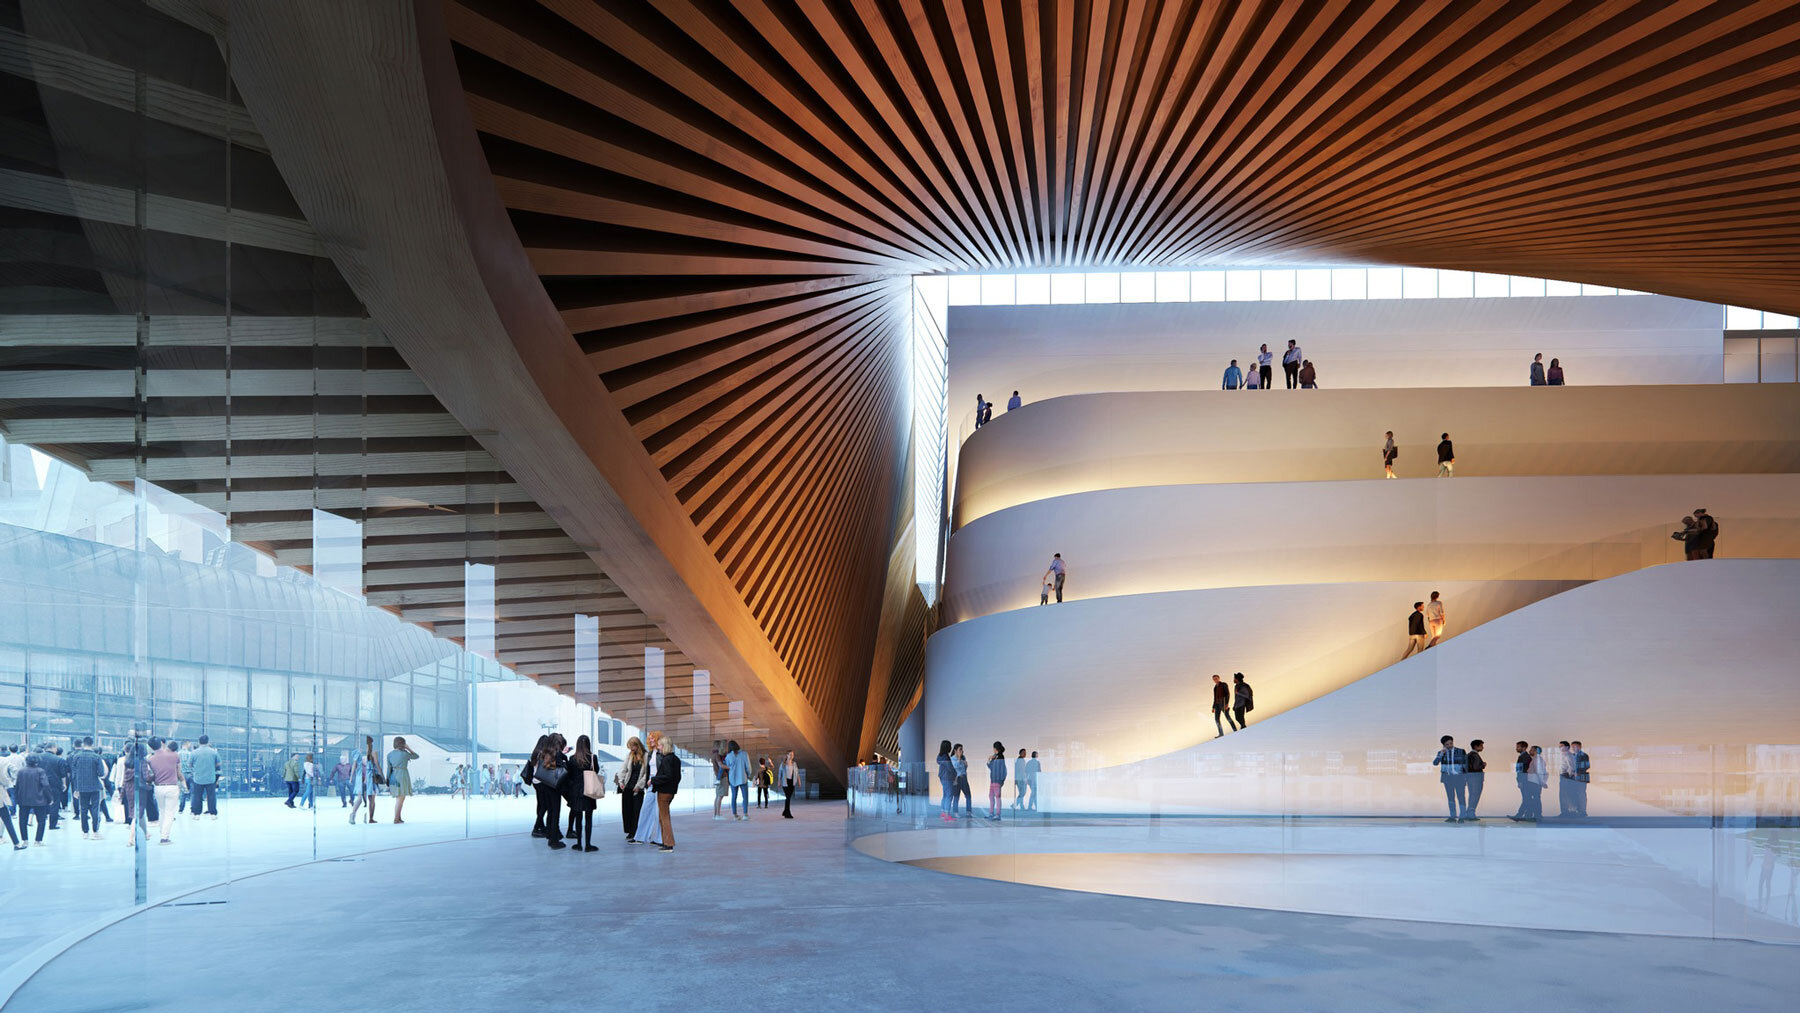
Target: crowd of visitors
1260,375
1463,773
984,409
953,780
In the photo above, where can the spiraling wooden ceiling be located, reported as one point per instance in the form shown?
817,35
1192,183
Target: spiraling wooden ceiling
723,199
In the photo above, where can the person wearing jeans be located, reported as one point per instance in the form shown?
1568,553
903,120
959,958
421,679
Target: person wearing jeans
1452,763
946,770
996,779
737,768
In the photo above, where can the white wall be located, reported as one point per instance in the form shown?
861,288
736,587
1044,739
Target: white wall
1109,441
1166,538
1672,673
1049,351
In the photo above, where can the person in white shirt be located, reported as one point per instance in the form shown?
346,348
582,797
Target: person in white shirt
1263,366
1055,574
1290,364
1250,379
1434,619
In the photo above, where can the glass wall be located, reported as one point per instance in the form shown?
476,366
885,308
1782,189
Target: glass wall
243,549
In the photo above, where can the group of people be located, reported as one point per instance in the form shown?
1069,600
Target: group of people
732,774
1463,772
1446,456
561,775
1299,371
1424,625
953,779
1540,377
155,777
1232,703
1698,535
984,409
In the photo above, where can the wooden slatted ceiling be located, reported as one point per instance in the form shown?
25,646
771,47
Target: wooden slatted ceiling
722,198
321,410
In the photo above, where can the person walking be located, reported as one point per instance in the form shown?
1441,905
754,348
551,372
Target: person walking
765,779
1537,370
399,778
1290,364
960,761
583,788
290,773
1031,779
790,777
1019,763
137,797
365,777
165,774
1055,574
1014,402
996,766
1474,776
56,778
1522,777
546,774
1555,376
8,778
340,776
1263,367
666,783
31,792
1446,458
205,774
87,772
1234,377
649,828
1434,619
1452,764
1309,376
309,775
187,779
946,771
631,780
1565,780
1580,765
1415,630
1388,452
1243,701
737,767
1222,706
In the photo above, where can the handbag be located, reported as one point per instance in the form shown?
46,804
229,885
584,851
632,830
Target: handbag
549,777
592,785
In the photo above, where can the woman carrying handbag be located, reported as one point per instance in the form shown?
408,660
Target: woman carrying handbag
583,788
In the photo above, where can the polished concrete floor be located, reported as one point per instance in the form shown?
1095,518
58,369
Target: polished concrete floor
777,914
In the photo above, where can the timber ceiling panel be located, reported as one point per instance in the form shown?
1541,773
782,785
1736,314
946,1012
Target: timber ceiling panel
723,199
200,339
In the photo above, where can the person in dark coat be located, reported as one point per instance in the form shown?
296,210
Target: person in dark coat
1452,764
33,796
581,808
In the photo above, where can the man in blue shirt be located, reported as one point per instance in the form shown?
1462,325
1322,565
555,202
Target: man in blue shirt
1234,377
1451,763
204,766
1014,401
737,768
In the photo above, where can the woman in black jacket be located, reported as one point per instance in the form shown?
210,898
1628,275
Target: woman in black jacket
525,777
32,795
666,783
581,808
546,774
